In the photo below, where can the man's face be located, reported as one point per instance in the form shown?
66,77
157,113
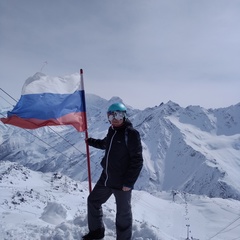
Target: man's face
116,123
116,118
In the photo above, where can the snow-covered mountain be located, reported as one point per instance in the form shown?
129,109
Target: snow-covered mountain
193,150
189,186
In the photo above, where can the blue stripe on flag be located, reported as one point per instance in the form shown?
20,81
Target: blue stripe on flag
48,105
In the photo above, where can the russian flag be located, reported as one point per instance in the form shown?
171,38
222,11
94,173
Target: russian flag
50,101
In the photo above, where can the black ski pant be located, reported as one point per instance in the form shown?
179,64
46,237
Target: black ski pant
99,195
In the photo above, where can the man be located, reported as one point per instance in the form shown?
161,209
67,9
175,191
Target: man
121,164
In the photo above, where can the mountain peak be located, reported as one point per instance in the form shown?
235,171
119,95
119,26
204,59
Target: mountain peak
182,147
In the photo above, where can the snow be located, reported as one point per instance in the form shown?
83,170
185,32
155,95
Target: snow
189,185
34,205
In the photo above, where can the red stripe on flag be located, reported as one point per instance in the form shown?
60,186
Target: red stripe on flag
74,119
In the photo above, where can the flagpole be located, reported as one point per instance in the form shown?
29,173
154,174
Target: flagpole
86,134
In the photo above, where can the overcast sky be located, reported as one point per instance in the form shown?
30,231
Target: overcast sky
144,51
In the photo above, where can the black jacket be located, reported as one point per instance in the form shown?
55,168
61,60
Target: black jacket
123,159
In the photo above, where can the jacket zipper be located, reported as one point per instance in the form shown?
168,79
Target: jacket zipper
107,158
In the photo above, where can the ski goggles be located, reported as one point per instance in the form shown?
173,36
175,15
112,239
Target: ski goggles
116,114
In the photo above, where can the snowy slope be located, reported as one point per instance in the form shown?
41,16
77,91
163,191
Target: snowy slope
38,206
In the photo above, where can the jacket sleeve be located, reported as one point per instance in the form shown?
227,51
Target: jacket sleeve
97,143
136,159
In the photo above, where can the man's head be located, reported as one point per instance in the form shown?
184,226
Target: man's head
117,114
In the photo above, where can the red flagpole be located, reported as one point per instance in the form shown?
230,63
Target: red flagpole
86,135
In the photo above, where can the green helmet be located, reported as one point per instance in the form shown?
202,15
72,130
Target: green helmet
117,107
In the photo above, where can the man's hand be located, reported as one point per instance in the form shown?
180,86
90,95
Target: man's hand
125,189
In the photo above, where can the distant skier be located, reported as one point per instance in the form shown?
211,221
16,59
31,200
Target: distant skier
121,164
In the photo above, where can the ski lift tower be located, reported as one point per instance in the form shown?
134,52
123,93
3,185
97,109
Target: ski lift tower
188,232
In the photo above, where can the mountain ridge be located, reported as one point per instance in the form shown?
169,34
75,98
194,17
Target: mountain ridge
183,148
